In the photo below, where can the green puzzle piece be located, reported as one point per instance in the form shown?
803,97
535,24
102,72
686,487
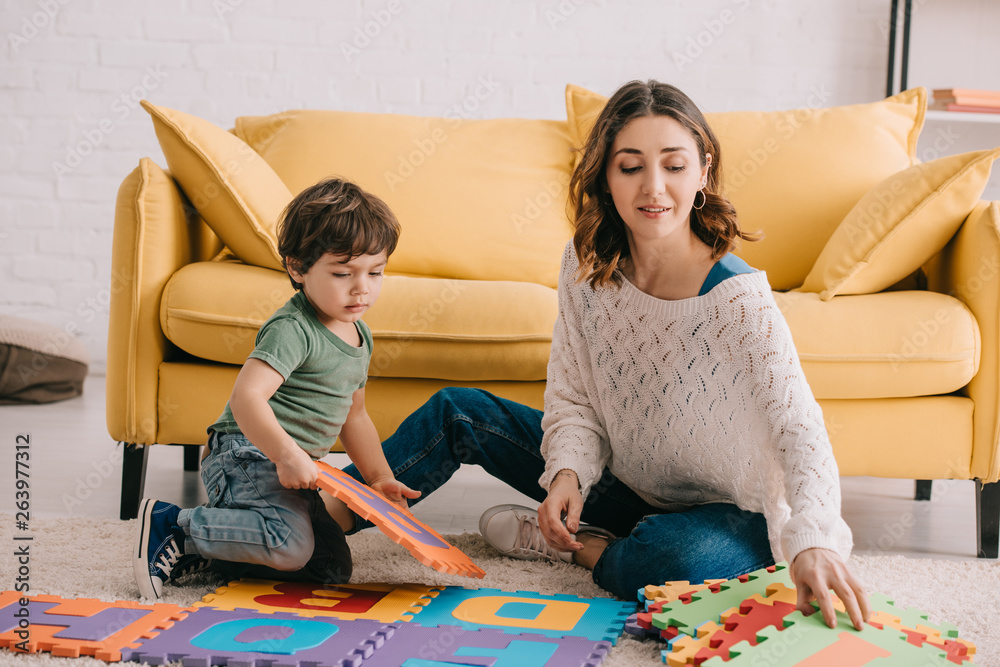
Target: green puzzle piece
809,637
911,617
707,606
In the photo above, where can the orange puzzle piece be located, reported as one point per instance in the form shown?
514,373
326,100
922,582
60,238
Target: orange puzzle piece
71,628
422,541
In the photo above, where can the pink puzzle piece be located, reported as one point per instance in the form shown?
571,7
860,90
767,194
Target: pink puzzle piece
422,541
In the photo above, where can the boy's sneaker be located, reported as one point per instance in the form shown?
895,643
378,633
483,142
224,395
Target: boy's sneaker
159,549
189,564
513,530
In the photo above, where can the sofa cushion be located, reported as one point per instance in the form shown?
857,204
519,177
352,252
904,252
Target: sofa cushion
423,327
891,344
476,199
795,174
900,224
234,190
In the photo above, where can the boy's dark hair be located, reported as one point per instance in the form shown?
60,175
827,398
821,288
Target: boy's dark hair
335,216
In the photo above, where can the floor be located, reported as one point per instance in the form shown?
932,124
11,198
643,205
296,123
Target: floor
75,470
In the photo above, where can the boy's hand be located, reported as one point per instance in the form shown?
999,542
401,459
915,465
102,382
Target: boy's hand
296,469
395,491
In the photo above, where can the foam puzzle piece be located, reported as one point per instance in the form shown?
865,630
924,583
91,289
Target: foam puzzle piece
743,625
74,627
415,645
808,642
958,650
635,628
652,598
707,605
910,617
377,602
779,592
645,621
684,649
209,637
673,590
598,619
422,541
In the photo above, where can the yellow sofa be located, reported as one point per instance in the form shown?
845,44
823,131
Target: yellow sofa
886,269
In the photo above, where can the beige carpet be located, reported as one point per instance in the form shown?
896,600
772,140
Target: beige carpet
91,558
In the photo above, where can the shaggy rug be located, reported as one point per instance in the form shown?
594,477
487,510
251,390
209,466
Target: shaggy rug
92,558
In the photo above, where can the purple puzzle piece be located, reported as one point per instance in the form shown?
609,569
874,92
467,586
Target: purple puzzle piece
96,628
486,647
632,627
388,511
247,638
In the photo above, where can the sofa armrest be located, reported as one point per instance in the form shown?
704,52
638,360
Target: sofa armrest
153,238
968,268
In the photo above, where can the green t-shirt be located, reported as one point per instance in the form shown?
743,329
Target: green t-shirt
321,374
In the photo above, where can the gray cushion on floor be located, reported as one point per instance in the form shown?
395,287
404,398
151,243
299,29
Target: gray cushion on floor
39,363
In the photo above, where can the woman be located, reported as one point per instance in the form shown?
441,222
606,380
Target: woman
677,416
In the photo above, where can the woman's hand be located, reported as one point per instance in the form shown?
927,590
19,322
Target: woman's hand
395,491
815,572
564,500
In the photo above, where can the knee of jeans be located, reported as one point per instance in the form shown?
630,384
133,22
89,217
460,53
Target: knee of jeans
684,558
718,552
448,400
292,554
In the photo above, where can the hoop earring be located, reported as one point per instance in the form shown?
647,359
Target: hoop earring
704,199
608,201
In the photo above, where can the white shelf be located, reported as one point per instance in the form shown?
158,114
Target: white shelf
961,117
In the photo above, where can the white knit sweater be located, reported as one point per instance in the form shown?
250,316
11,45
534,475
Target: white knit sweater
692,401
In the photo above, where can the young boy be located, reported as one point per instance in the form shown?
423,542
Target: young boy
301,387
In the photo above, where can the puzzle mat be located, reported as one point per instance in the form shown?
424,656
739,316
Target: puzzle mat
102,569
257,621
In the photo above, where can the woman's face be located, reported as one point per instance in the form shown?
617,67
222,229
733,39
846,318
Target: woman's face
654,173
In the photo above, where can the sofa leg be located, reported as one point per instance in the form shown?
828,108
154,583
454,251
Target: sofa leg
192,457
923,489
133,479
987,518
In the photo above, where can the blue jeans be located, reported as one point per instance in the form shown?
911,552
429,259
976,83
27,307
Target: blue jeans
457,425
254,527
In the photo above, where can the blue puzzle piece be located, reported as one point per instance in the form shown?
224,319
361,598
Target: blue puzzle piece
597,619
246,637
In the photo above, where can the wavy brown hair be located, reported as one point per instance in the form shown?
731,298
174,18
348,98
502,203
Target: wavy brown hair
600,240
335,216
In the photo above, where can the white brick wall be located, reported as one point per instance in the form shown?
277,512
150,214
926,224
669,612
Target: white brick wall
72,72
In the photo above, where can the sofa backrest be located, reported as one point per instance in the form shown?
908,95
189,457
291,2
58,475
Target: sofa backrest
476,199
486,199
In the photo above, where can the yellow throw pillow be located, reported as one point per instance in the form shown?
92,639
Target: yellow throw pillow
795,174
582,109
476,199
900,224
237,193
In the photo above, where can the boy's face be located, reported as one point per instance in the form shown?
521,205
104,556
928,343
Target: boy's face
341,289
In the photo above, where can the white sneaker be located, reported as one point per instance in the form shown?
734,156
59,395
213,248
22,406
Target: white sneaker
513,530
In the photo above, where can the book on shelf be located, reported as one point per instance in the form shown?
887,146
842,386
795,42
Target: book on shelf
967,97
966,92
965,108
